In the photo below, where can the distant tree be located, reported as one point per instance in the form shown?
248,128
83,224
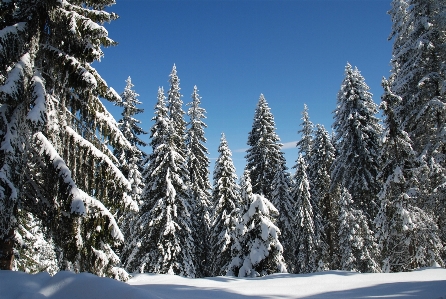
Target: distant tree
162,241
226,205
56,135
311,248
358,250
264,153
131,160
305,144
357,138
407,235
319,174
176,112
198,168
286,221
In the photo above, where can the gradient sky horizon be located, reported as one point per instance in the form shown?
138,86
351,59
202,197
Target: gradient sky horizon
292,51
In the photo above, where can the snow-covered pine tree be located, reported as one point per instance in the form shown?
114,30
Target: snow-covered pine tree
237,251
358,250
176,112
259,251
419,78
407,235
319,174
162,241
225,216
54,126
198,168
286,221
305,144
131,160
357,138
264,153
311,248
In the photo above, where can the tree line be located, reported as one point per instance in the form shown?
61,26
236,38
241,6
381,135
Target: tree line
78,193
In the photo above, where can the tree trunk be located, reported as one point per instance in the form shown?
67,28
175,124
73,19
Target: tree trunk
7,251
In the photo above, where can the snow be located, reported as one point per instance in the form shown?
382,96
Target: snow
17,73
427,283
37,113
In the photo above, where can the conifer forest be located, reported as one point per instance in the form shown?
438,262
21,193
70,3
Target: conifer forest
82,191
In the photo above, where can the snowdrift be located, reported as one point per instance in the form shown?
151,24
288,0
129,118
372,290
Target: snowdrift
429,283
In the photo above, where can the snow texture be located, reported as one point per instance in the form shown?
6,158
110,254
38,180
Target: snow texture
425,283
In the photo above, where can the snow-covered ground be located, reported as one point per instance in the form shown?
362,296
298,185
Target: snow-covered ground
426,284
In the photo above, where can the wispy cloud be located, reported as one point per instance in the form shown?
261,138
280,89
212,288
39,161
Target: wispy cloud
240,150
288,145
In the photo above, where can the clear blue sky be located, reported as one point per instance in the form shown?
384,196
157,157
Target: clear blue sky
292,51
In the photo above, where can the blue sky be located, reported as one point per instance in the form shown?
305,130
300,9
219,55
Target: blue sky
292,51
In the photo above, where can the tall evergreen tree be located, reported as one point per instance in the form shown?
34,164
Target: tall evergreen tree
286,221
311,248
162,241
226,205
358,250
264,153
54,126
418,77
357,137
305,144
319,174
131,161
198,168
407,235
176,112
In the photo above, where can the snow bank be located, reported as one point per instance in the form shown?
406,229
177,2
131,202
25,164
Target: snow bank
65,285
423,284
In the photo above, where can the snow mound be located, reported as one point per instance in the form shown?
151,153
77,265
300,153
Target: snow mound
428,283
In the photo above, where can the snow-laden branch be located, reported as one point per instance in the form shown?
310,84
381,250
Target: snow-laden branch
11,87
37,114
81,202
99,155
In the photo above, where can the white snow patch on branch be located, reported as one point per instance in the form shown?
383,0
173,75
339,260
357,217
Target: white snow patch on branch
37,113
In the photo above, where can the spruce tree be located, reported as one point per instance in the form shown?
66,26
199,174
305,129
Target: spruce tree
162,241
358,250
305,144
176,112
357,138
319,174
264,153
131,161
55,161
418,77
259,250
311,248
198,168
286,221
226,205
407,234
